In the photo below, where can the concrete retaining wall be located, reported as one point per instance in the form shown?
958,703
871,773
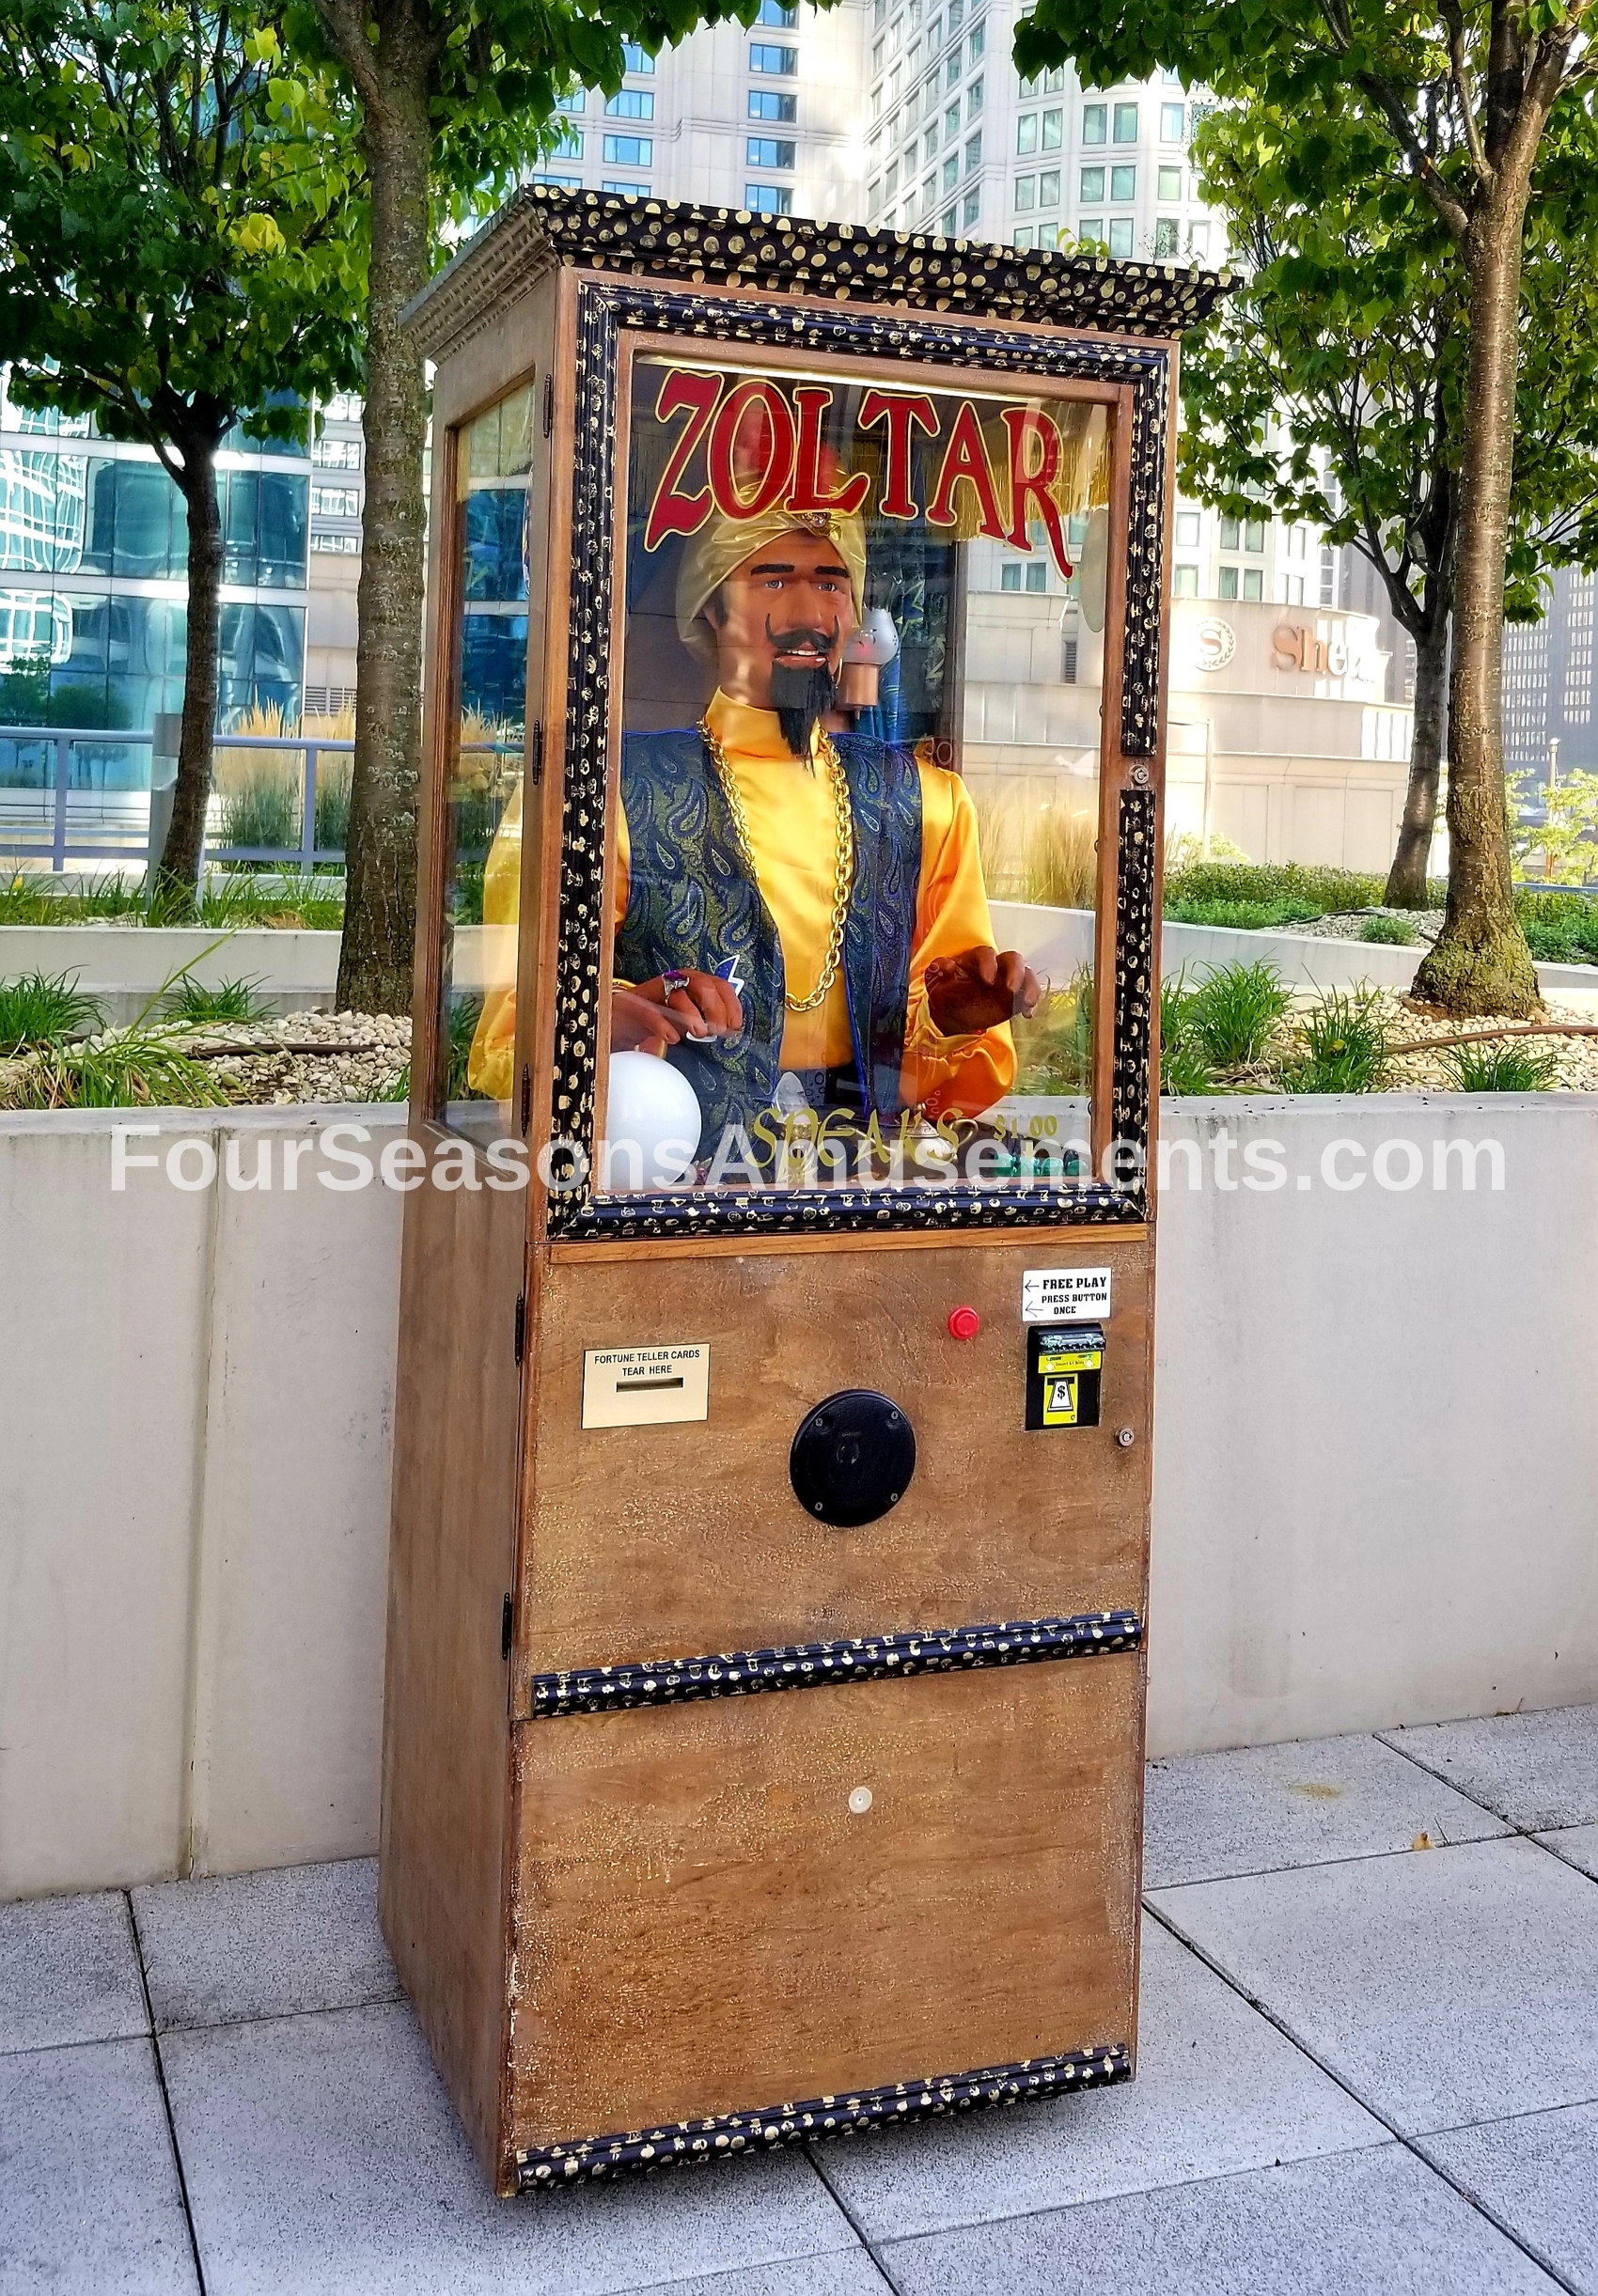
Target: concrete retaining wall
1057,941
124,965
1375,1452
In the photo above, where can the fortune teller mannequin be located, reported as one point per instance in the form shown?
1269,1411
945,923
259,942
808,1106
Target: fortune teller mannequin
799,910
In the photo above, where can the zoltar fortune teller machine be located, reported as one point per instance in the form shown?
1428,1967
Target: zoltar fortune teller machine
764,1717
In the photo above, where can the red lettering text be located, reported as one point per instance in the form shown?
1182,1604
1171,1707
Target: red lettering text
813,399
1024,424
752,438
672,512
966,458
901,414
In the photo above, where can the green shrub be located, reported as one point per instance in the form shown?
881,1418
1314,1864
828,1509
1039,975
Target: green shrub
1500,1068
333,803
1241,916
1231,1016
37,1009
230,1000
1390,932
1054,1048
264,811
1342,1045
1559,927
1309,891
1184,1070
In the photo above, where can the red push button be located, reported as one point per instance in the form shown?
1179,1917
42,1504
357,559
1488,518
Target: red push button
964,1323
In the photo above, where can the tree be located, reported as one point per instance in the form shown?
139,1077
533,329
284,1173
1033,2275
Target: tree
1463,95
1331,388
456,97
181,230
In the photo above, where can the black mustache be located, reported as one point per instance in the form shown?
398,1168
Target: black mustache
802,641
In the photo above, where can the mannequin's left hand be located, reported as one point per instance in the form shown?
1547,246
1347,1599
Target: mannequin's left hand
978,988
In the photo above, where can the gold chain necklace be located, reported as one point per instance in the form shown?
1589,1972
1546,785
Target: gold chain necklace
844,867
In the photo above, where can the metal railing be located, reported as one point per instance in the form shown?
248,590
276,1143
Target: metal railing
61,845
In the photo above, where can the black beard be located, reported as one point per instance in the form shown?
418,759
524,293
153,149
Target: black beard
802,698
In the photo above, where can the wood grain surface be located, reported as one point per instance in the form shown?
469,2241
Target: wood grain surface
702,1924
670,1540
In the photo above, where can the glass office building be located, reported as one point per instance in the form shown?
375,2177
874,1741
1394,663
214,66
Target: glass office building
93,548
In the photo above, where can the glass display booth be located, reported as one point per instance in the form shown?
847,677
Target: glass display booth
764,1718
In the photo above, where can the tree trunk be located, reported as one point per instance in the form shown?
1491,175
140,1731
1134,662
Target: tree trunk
380,914
1407,879
177,878
1480,962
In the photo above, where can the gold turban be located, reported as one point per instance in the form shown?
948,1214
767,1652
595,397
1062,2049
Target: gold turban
722,543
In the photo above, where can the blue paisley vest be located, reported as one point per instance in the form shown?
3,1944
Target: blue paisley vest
693,905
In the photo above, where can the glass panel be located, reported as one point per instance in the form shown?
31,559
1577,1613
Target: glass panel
855,857
482,790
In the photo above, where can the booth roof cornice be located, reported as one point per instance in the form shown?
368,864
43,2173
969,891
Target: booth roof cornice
542,226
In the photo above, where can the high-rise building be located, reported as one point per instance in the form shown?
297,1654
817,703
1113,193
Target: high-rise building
93,573
337,499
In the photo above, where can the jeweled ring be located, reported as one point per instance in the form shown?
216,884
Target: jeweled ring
671,982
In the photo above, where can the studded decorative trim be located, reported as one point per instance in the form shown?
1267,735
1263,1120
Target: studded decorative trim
543,226
727,2136
1136,969
603,308
822,1666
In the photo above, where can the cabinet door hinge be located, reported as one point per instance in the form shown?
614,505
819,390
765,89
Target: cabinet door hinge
504,1618
520,1324
548,404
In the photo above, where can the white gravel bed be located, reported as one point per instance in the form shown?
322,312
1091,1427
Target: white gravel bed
306,1056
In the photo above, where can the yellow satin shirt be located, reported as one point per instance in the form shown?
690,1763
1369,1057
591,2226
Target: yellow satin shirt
789,809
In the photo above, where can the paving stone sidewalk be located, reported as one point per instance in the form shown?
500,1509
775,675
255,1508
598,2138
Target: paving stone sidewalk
1369,2061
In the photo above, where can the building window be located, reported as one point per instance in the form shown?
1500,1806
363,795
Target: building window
766,151
892,177
336,545
1092,183
573,103
1125,123
956,16
345,454
879,57
1254,534
1123,182
1225,582
952,69
784,62
1048,235
1026,192
875,198
1038,574
928,196
1253,582
570,145
979,41
910,157
1184,582
777,14
1167,237
951,171
1090,230
973,99
768,198
1048,188
632,103
1010,574
635,58
1026,132
947,225
336,501
1045,84
1292,590
1198,240
878,11
627,191
1171,183
974,152
629,151
1173,123
1068,661
930,141
766,104
1024,236
951,123
971,208
1094,120
561,183
1188,529
1054,130
1120,235
935,36
1230,530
